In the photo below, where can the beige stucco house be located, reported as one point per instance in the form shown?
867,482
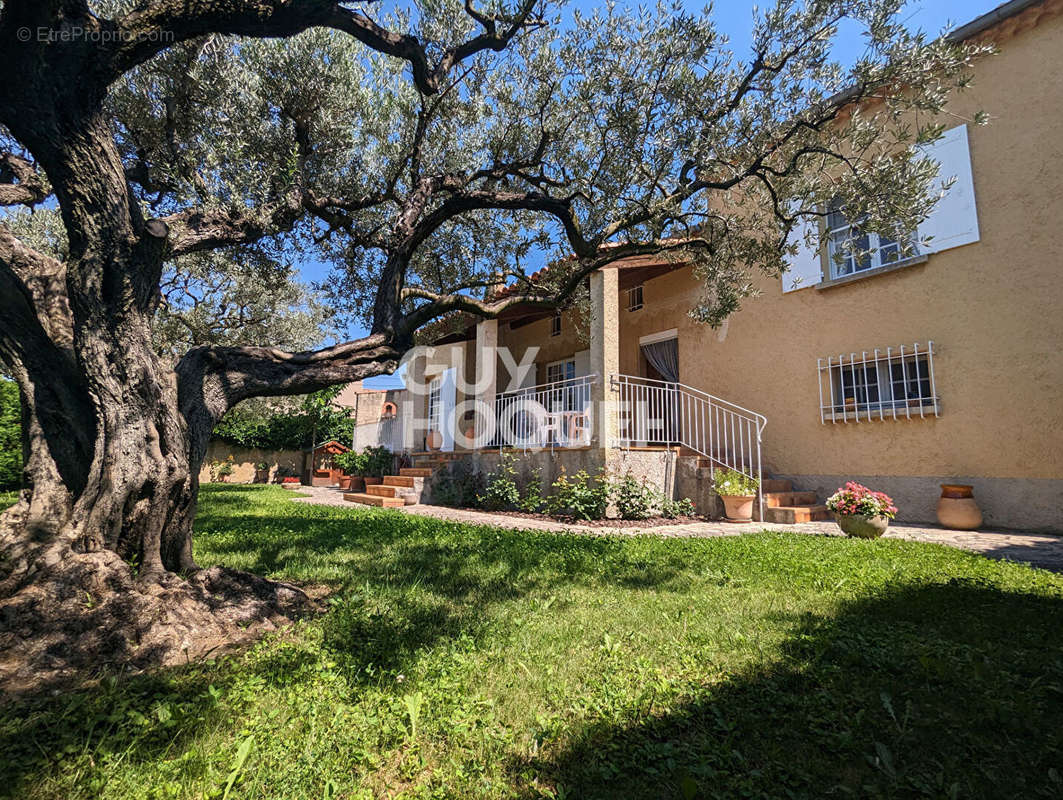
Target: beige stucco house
943,367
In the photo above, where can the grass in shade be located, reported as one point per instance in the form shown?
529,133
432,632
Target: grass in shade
473,662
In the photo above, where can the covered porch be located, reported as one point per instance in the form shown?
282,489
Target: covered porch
537,380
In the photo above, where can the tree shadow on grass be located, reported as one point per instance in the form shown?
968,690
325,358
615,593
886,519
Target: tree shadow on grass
935,690
402,584
439,583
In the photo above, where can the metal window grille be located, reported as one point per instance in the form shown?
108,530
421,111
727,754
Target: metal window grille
634,298
880,384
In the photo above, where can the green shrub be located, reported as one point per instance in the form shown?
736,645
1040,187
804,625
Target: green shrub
732,483
634,499
352,462
581,496
501,492
10,436
683,507
374,462
379,461
531,499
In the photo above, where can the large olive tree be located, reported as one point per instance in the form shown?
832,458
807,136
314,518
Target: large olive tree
425,155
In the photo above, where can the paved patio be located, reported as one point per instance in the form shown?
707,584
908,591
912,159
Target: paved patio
1038,549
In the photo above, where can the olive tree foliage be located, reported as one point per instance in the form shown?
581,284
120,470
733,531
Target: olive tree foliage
226,297
427,155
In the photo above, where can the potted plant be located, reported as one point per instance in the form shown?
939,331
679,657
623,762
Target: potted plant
738,491
261,472
287,477
353,465
861,512
221,470
377,465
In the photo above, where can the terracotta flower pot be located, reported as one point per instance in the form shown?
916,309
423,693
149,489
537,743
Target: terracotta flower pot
738,508
356,483
861,526
957,508
345,482
370,481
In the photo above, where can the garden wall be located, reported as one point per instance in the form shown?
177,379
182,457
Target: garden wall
243,460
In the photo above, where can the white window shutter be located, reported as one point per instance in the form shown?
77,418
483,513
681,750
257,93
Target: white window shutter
804,268
954,220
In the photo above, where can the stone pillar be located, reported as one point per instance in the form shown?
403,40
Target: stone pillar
605,357
486,373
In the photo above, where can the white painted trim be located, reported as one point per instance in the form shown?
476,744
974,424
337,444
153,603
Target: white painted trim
663,336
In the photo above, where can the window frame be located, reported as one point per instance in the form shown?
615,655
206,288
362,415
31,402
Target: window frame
555,324
880,384
837,256
435,404
635,296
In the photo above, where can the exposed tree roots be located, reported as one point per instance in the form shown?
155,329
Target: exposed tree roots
91,615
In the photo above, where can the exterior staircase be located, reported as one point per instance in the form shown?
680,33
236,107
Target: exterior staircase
396,491
783,505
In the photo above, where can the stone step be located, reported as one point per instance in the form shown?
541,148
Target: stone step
790,515
400,480
374,500
788,498
415,472
382,491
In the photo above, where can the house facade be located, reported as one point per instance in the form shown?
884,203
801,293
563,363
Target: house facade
945,367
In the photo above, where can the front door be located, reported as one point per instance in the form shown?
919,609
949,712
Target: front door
657,415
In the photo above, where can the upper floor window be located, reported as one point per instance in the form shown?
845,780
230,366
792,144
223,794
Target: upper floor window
851,249
952,222
555,325
634,298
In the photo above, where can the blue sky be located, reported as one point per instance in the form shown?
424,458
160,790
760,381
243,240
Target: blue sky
734,17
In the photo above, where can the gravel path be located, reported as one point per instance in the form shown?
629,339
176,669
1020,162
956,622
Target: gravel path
1038,549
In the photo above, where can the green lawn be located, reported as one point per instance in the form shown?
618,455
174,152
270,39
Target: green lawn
7,499
459,661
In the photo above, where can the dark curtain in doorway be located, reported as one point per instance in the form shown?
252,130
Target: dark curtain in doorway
664,357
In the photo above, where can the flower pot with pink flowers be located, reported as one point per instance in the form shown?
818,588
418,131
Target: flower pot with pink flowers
860,512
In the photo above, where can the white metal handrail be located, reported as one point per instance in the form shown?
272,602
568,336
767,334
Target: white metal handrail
547,415
653,412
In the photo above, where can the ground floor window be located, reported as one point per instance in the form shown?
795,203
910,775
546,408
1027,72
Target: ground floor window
435,407
883,383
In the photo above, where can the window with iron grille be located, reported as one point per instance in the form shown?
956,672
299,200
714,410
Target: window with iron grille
555,325
634,298
880,384
851,250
